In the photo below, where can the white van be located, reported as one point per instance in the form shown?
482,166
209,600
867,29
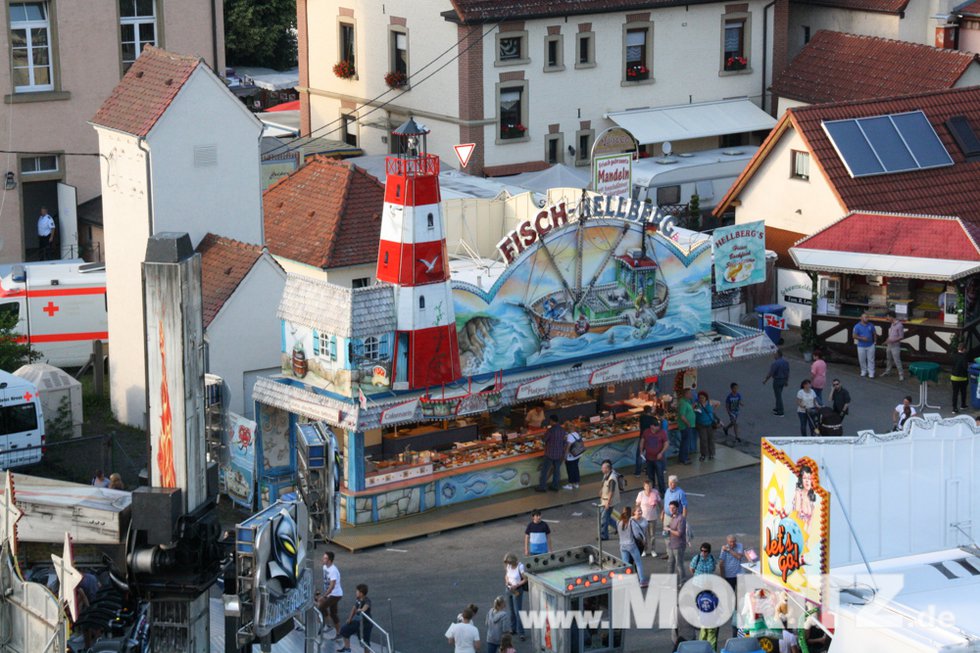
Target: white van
675,178
21,422
60,306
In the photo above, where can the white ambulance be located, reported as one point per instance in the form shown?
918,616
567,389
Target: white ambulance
60,307
21,422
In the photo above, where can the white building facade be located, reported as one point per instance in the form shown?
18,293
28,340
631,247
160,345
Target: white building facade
529,90
179,153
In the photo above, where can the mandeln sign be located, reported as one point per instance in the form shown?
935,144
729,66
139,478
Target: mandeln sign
613,174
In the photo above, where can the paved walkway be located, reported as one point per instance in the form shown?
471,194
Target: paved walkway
520,502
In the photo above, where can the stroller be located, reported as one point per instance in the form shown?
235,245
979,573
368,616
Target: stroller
825,421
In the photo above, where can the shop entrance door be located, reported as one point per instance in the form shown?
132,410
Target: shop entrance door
34,195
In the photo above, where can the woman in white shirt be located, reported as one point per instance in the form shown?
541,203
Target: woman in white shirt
516,580
806,399
649,504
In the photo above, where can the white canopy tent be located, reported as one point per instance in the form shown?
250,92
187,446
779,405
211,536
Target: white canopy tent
698,120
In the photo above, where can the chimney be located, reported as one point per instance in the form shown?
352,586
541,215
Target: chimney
780,37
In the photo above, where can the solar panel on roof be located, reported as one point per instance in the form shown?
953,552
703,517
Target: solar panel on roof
853,148
888,144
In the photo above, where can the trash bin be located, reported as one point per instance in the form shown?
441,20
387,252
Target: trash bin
775,309
974,389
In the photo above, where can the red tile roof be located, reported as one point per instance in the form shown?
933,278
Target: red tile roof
224,264
969,9
326,214
836,67
951,190
482,11
146,91
897,235
876,6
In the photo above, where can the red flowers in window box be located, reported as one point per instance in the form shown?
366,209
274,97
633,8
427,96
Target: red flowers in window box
511,130
396,79
736,63
344,69
637,73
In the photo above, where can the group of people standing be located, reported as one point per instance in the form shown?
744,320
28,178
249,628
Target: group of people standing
865,338
810,396
636,526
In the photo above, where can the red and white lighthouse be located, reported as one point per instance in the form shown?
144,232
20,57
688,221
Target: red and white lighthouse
412,256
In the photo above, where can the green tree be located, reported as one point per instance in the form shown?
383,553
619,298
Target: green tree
12,353
261,33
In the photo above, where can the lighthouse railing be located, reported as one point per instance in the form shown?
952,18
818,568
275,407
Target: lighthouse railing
423,164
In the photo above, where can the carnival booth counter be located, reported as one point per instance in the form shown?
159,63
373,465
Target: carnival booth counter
415,374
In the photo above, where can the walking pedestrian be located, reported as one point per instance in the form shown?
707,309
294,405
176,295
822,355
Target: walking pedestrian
537,535
647,419
574,449
608,497
806,401
704,419
464,637
329,599
676,532
507,644
893,345
630,530
779,373
515,579
702,564
497,620
648,503
686,424
864,335
959,376
733,406
554,452
655,445
818,374
840,398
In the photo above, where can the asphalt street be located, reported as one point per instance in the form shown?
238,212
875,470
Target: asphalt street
419,586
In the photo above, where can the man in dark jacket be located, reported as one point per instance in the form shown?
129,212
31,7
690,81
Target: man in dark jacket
554,453
840,398
959,376
779,373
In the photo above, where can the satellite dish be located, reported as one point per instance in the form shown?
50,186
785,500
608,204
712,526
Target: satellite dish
668,148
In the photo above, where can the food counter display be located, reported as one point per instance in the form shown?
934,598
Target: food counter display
427,436
500,463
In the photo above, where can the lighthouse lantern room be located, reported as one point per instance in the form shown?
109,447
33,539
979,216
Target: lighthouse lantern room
412,257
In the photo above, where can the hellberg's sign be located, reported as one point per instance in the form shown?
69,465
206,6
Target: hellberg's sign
597,206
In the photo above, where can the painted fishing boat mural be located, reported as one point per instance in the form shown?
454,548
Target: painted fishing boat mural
636,298
583,284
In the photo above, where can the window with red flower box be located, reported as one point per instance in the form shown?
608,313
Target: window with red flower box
637,54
